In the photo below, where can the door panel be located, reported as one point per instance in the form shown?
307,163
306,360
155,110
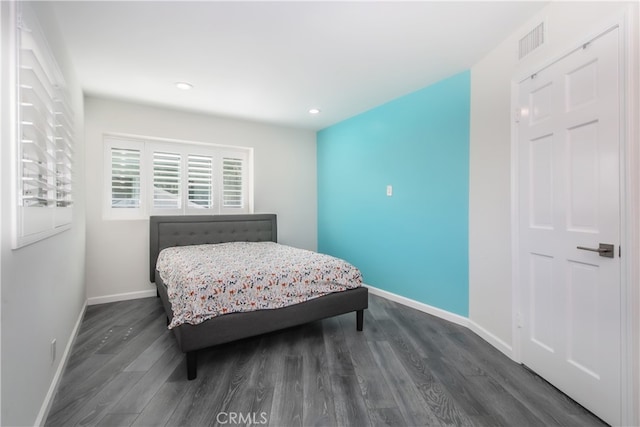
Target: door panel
582,208
582,327
581,85
542,295
541,178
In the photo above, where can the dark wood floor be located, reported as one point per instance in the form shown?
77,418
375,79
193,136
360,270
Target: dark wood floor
406,368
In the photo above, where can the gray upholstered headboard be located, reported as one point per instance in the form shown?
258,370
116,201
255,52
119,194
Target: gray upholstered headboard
168,231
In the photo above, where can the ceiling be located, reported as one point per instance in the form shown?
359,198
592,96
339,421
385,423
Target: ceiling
273,61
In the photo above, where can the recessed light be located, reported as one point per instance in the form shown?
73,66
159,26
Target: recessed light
314,111
184,85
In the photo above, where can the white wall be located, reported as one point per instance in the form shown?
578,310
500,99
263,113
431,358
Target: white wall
284,183
490,275
43,291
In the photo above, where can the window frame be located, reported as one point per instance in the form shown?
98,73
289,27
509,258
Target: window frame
147,147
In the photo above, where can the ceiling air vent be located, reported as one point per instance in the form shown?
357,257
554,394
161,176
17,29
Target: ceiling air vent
531,41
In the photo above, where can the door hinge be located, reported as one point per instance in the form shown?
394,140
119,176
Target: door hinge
519,320
518,115
620,251
20,21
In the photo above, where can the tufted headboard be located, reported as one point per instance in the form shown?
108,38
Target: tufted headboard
168,231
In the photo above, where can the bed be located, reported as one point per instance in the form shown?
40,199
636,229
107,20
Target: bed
172,231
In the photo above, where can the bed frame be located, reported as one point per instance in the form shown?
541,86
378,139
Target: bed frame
168,231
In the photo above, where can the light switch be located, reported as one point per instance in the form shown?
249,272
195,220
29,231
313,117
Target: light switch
389,190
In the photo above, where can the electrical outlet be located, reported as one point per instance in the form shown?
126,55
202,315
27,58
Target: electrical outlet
389,190
53,350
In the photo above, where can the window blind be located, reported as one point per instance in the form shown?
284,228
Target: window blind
45,137
200,177
166,180
232,176
64,150
37,128
173,178
125,178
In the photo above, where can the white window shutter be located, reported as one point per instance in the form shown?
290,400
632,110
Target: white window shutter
37,129
200,182
232,178
64,150
44,145
173,178
166,180
125,178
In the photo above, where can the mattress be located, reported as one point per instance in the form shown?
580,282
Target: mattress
205,281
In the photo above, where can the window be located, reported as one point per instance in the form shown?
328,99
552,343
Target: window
151,177
44,138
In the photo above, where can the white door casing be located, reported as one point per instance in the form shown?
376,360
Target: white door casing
569,196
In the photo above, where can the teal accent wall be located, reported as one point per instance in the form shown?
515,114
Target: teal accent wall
414,243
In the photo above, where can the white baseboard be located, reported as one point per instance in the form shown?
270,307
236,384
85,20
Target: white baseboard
53,388
505,348
426,308
447,315
121,297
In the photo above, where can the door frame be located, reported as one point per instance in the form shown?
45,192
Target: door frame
628,25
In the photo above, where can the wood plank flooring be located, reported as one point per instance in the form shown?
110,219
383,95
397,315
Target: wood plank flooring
405,368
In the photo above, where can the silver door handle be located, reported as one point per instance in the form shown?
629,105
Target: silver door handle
604,249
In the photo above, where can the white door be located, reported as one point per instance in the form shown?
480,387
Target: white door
569,197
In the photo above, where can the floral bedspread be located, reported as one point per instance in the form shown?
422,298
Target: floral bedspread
204,281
